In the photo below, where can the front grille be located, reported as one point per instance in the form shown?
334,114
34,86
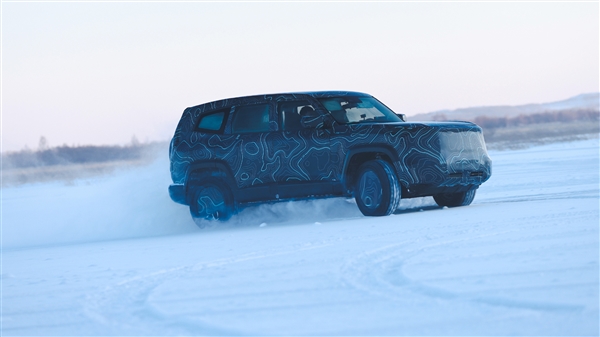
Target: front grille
470,174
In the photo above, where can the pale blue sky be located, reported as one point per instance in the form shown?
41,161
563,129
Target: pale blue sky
99,73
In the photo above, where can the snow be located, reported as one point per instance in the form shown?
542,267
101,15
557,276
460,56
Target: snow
114,256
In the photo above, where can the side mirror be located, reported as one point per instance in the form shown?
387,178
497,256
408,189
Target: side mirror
315,122
402,117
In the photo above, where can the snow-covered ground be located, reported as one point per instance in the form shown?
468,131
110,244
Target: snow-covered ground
114,256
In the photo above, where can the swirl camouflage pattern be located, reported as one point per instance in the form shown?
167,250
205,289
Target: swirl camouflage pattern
319,144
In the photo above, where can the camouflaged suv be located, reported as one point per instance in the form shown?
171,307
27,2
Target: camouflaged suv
319,144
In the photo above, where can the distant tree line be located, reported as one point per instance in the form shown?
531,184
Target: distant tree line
65,154
563,116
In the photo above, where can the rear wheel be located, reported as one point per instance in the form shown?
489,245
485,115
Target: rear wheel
455,199
377,191
211,201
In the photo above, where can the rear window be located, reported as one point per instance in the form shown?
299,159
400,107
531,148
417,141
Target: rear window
251,118
212,121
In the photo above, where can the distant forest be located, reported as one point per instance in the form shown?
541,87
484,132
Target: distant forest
65,154
563,116
539,128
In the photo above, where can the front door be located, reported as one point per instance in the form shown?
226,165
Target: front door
308,166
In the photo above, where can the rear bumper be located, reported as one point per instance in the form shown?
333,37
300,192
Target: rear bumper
177,193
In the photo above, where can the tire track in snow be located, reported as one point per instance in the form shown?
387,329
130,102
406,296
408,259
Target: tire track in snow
124,307
580,194
381,272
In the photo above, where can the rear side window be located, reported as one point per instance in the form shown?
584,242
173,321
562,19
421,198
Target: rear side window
251,118
212,121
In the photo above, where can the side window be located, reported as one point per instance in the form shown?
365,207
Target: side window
251,118
291,113
212,121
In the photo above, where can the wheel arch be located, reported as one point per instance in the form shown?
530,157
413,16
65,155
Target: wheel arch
205,170
360,155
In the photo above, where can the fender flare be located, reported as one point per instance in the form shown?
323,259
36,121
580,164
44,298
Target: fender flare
213,168
378,148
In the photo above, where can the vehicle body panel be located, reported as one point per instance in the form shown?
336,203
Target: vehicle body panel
428,157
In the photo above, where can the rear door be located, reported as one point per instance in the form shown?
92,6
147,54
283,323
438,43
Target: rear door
252,169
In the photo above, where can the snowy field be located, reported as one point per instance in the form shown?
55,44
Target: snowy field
115,256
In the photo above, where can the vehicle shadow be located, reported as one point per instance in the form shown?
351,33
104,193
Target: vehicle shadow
416,209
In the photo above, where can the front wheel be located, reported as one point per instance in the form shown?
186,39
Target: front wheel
211,201
377,191
455,199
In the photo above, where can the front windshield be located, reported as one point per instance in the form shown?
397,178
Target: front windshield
352,109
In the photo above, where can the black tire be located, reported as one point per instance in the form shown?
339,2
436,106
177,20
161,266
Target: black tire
211,201
455,199
377,191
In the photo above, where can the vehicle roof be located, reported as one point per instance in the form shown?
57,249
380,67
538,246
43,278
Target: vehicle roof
280,97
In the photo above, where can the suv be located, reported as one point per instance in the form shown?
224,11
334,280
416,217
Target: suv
319,144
